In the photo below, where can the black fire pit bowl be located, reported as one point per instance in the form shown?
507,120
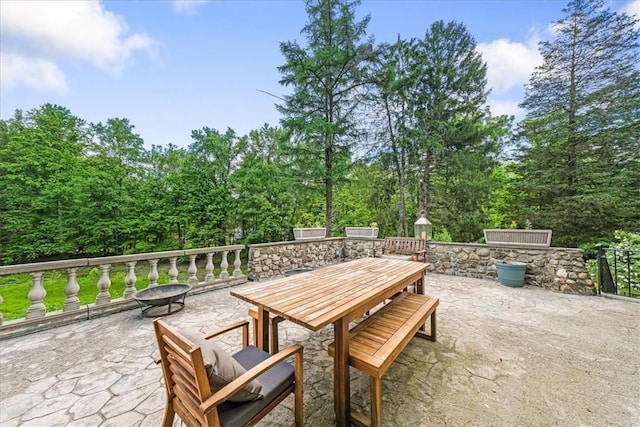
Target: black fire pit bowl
152,300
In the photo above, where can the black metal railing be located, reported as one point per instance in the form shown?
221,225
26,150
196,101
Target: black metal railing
619,271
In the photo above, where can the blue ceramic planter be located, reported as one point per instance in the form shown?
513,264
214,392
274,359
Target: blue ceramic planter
511,273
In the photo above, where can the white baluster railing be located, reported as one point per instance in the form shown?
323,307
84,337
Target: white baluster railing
73,309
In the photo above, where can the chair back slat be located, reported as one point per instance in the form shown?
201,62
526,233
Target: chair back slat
186,415
188,382
189,402
184,382
186,372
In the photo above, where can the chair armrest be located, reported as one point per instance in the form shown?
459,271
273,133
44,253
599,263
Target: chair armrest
236,385
244,324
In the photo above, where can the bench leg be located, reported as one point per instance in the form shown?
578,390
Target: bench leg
273,331
422,333
376,402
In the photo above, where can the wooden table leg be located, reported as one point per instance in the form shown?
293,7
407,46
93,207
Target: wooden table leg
263,329
420,286
341,386
420,291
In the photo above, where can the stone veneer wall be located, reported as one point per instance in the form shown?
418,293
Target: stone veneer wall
274,259
559,269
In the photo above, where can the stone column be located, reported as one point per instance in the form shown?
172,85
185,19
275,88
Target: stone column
193,270
36,296
153,273
237,272
104,284
224,265
71,290
209,277
173,270
130,280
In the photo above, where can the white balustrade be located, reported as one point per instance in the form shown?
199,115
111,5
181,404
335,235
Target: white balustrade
224,265
209,269
36,296
72,304
104,284
237,271
193,270
153,272
173,270
130,280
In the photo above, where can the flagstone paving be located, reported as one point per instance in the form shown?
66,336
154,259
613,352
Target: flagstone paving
504,357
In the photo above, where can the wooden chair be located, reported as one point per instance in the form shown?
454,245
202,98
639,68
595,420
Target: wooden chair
274,320
189,392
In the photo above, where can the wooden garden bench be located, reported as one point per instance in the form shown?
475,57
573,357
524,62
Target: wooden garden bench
378,340
415,247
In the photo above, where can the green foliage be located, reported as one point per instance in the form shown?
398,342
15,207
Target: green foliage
578,151
372,134
623,256
441,234
325,76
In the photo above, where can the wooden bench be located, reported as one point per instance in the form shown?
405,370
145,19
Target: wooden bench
378,340
413,246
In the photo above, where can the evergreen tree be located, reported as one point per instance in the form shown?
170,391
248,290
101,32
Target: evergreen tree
580,140
325,76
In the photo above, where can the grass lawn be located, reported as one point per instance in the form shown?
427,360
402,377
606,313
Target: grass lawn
15,288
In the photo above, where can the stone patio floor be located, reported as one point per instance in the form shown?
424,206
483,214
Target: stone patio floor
504,357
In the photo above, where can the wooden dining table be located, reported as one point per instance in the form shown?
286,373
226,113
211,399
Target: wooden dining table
336,294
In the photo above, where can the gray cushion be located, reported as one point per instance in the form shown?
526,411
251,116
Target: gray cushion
274,381
222,368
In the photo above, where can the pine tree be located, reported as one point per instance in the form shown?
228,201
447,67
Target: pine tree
580,141
325,76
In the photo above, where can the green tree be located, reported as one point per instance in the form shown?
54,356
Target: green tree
447,99
39,158
107,186
265,202
325,76
211,159
388,100
580,139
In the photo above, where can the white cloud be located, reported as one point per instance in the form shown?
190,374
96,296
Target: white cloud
188,7
501,107
633,8
510,64
47,32
36,73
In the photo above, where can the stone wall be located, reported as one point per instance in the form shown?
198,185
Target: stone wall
559,269
274,259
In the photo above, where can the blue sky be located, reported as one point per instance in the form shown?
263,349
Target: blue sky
171,67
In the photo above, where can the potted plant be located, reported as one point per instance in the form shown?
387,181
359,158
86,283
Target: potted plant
511,273
369,232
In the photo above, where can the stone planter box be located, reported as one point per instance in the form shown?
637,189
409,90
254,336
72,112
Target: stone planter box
528,238
370,232
309,233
